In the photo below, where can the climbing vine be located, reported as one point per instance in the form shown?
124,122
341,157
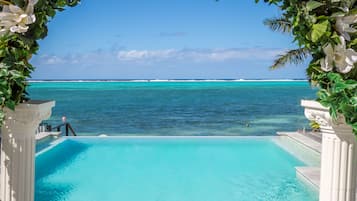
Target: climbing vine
22,24
326,32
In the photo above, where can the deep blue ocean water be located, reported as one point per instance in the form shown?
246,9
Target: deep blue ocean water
177,108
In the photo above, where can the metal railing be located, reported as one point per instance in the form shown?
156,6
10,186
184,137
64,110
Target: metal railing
44,127
68,128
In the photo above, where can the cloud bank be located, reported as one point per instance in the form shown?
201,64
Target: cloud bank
199,55
163,55
120,63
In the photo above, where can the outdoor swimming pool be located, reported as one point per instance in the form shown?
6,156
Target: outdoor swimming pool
168,169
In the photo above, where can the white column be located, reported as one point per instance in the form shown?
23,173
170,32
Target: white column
18,149
338,157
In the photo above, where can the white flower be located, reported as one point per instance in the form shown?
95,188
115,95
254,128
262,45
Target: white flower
343,58
15,19
343,25
327,62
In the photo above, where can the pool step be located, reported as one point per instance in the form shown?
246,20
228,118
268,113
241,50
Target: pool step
310,175
304,139
317,136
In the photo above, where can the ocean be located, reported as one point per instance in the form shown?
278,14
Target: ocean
195,108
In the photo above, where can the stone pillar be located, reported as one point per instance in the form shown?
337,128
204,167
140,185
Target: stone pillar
18,149
338,157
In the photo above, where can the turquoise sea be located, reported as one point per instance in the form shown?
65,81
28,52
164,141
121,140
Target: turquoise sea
177,108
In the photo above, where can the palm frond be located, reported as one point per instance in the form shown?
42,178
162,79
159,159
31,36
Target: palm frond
296,56
278,24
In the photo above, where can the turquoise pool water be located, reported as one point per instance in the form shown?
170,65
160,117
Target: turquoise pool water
44,143
168,169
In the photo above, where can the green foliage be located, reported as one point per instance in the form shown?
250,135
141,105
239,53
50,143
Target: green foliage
278,24
314,24
292,56
340,96
318,31
311,5
16,49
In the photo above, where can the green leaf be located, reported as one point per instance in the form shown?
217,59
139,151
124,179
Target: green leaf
318,30
10,104
296,56
311,5
2,116
353,11
353,42
335,77
338,14
333,112
16,74
279,24
338,87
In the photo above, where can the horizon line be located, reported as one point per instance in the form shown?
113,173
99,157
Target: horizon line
163,80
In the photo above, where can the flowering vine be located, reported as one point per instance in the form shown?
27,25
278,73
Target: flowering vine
16,20
326,32
22,24
339,56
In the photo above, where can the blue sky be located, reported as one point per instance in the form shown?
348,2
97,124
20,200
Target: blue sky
163,39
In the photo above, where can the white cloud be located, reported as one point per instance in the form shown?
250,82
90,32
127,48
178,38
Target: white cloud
133,55
51,59
199,55
152,56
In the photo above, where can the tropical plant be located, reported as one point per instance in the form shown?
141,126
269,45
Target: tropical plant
22,24
295,56
314,126
325,30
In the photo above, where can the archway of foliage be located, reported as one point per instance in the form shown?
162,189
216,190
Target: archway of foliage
324,29
22,24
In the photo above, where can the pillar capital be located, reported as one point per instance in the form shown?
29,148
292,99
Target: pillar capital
25,118
314,111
